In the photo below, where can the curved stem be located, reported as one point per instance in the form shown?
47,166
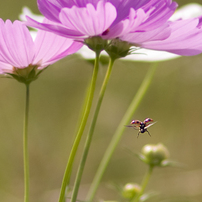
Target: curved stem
144,183
90,134
25,147
118,134
86,112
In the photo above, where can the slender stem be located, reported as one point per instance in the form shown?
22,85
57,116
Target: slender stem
119,132
86,112
144,183
90,134
25,147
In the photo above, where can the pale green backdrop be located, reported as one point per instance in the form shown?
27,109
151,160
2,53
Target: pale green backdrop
174,100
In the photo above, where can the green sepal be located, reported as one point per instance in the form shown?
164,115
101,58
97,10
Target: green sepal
96,43
26,75
118,49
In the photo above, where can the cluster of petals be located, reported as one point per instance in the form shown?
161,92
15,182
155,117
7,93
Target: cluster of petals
142,23
19,50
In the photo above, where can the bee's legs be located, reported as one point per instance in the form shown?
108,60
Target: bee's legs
138,134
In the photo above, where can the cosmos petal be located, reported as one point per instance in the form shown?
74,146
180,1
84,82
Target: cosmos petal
185,39
54,28
160,33
87,20
17,46
51,48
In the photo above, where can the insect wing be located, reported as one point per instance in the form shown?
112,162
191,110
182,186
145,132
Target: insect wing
135,122
150,124
147,120
133,126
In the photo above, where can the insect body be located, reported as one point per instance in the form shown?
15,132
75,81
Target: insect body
142,126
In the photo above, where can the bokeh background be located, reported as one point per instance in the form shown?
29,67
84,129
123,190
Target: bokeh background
174,100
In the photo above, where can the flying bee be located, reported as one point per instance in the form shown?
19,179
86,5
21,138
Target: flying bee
142,126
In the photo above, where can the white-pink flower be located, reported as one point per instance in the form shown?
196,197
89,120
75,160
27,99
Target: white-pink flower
24,58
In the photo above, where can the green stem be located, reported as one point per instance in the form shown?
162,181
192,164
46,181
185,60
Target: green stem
119,132
86,112
144,183
90,134
25,147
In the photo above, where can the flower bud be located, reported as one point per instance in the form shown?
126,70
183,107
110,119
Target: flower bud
155,155
130,190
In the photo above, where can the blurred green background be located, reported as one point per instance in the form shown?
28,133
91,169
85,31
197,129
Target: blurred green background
174,100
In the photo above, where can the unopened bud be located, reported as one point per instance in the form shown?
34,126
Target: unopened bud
155,155
130,190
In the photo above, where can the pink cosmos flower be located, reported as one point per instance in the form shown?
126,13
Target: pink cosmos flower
142,23
105,18
24,58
